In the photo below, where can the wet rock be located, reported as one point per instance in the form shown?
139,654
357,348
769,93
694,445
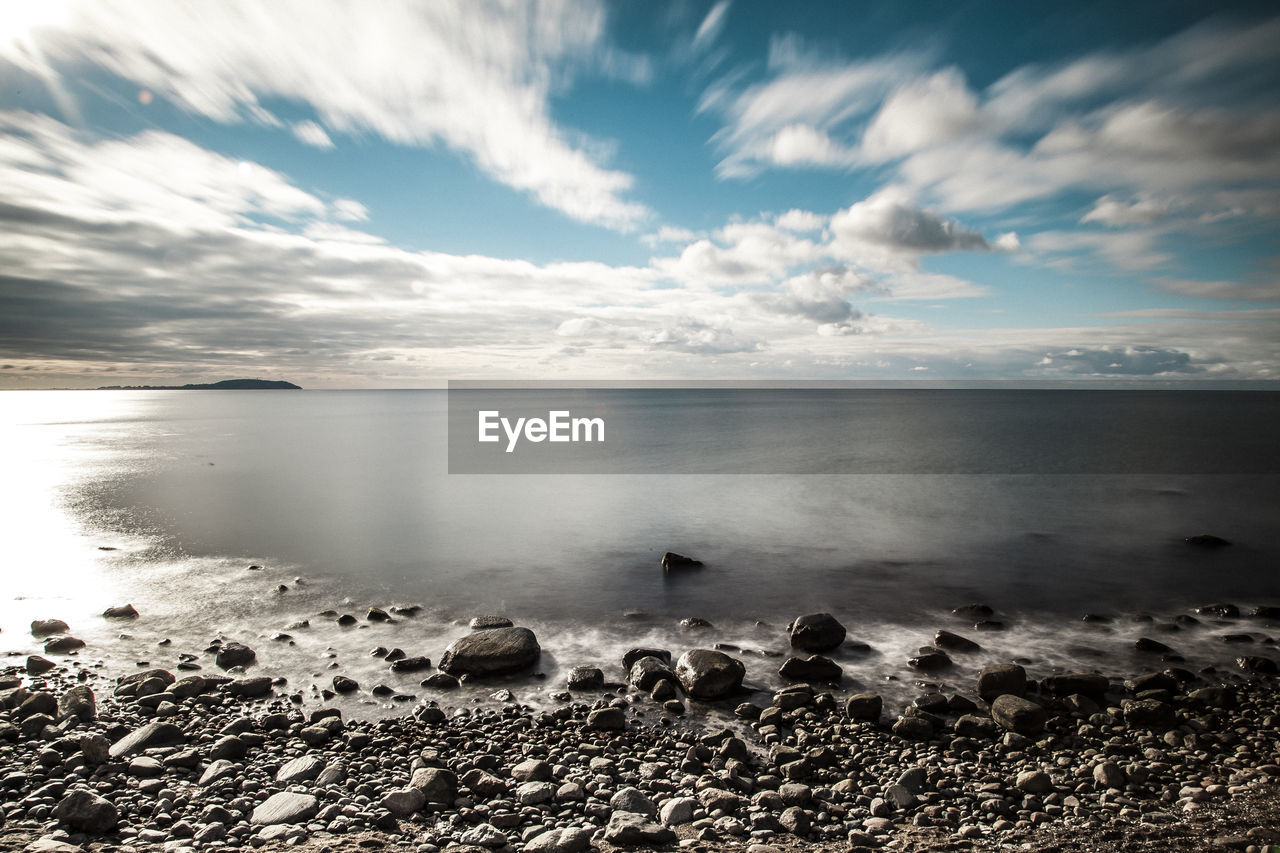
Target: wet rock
377,614
816,632
930,661
1149,714
648,671
672,560
585,678
1146,644
235,654
123,611
863,706
913,728
695,623
78,703
343,684
250,688
285,807
813,668
48,627
708,674
411,664
629,659
441,681
1222,611
85,811
1085,683
1019,715
974,612
1206,540
491,652
954,642
346,620
62,645
488,622
37,665
1257,664
607,719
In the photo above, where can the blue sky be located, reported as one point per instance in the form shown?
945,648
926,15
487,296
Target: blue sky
396,194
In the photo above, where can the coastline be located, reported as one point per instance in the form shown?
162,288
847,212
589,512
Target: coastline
1132,760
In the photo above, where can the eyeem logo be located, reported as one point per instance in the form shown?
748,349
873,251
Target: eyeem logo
559,426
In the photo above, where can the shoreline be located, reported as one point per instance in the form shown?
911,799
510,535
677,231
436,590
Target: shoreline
1078,762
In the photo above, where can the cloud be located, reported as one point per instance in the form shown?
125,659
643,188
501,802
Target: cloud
712,25
821,296
668,234
310,133
800,221
480,80
1267,291
1123,361
889,222
350,210
747,253
921,114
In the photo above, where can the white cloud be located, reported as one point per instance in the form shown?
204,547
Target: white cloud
888,226
475,76
712,25
350,210
669,234
801,221
921,114
310,133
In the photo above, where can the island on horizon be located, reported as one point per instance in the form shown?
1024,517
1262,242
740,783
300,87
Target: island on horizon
224,385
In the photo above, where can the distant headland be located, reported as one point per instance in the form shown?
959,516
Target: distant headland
224,385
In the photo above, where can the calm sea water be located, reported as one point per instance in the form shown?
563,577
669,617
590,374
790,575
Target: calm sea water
350,493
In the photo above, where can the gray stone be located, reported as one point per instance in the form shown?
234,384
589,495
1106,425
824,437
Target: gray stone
250,688
285,807
437,785
87,812
535,793
485,835
607,719
626,829
633,800
813,668
217,771
864,706
585,678
1109,775
491,652
95,748
78,703
488,623
403,802
123,611
62,645
677,811
1001,679
647,671
571,839
48,627
1034,782
153,734
235,654
51,845
708,674
531,770
301,769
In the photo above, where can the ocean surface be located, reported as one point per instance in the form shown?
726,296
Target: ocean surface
887,508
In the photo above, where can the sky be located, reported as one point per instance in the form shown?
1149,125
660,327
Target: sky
395,194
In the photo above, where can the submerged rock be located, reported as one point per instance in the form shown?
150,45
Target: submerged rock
235,654
672,560
813,668
1206,540
947,640
491,652
62,645
485,623
47,627
124,611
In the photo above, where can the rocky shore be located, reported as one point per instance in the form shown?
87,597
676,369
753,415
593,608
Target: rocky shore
652,751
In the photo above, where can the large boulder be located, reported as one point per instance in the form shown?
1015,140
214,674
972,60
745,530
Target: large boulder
62,645
85,811
864,706
48,627
817,632
708,674
1001,679
626,829
491,652
633,655
648,671
1019,715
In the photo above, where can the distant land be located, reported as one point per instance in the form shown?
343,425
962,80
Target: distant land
224,385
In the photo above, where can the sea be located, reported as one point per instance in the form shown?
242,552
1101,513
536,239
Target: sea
887,507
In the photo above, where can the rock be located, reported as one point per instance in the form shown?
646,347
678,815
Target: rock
285,807
85,811
37,665
235,654
153,734
1034,782
648,671
1206,540
95,748
124,611
607,719
864,706
485,835
1222,611
672,560
695,623
531,770
708,674
1146,644
1018,715
677,811
900,796
250,688
954,642
1266,611
813,668
570,839
633,800
1086,683
343,684
48,627
436,784
488,622
51,845
346,620
377,614
403,802
913,728
535,793
1149,714
62,645
411,664
974,612
491,652
217,771
1001,679
1109,775
585,678
78,703
973,726
816,632
441,681
633,655
298,770
633,830
1257,664
930,661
